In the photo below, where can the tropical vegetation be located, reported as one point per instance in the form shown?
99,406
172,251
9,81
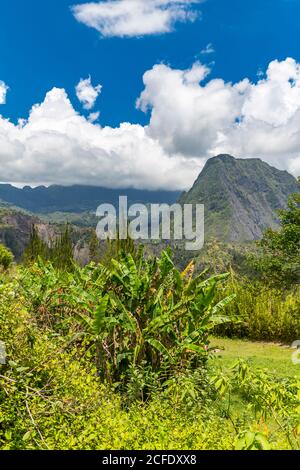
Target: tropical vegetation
123,353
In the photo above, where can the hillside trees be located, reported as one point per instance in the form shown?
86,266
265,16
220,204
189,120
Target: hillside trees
36,247
59,252
279,262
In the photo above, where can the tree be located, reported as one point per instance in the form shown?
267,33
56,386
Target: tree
6,257
94,247
62,251
280,260
36,247
150,315
115,249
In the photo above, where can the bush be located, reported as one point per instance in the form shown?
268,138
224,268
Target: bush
6,257
279,262
269,397
137,312
266,313
51,397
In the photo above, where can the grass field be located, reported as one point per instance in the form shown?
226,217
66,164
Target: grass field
274,357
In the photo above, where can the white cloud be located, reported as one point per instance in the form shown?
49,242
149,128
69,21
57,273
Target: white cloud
57,145
244,119
269,121
87,93
3,91
208,49
186,116
129,18
191,119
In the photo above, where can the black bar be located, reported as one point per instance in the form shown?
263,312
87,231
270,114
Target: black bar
136,459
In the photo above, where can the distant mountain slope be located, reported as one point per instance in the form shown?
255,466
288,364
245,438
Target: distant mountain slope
77,198
241,197
15,228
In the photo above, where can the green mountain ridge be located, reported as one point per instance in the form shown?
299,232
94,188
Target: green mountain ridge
77,198
241,197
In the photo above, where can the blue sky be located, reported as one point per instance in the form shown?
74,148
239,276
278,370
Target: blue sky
43,45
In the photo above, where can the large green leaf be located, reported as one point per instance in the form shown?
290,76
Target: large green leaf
222,304
159,347
99,317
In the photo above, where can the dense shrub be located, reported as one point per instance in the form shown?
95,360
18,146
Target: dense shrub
6,257
138,312
265,313
279,262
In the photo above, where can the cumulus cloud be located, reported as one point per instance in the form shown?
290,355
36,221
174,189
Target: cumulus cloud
191,118
186,116
3,92
269,122
129,18
57,145
87,93
202,119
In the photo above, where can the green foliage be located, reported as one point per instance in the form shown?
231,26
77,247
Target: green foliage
139,311
94,247
253,441
268,397
115,357
52,398
280,260
36,247
266,313
60,253
265,281
6,257
115,249
220,257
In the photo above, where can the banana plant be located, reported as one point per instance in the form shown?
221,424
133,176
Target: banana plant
149,312
136,310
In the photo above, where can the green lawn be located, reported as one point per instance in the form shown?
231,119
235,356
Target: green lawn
275,358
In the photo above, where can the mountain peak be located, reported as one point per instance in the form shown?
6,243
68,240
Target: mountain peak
241,197
225,157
